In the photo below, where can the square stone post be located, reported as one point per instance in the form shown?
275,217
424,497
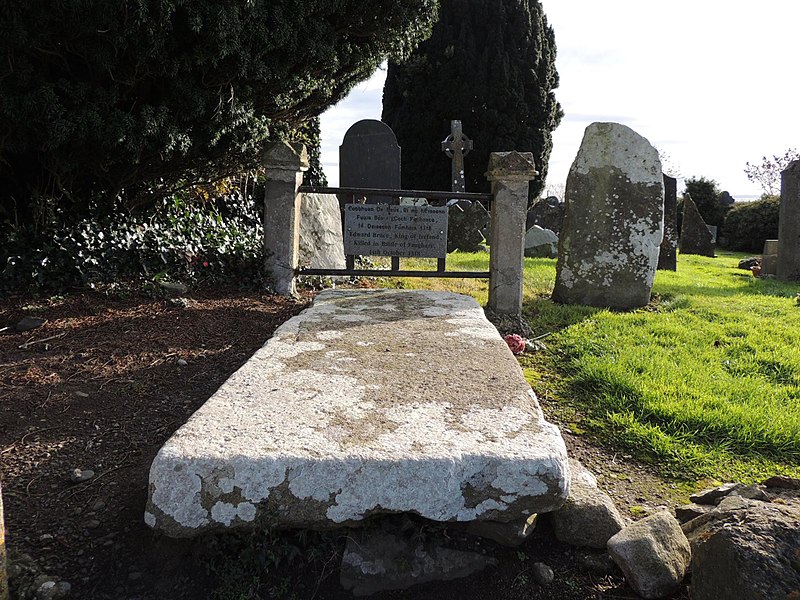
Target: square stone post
285,163
788,268
509,174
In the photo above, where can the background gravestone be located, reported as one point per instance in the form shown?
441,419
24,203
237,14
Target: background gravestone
369,157
789,224
608,247
547,213
696,237
667,257
466,220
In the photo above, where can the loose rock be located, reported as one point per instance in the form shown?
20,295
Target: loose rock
81,475
588,517
653,554
542,573
28,323
747,550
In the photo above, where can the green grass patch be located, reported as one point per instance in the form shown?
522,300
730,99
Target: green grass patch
703,382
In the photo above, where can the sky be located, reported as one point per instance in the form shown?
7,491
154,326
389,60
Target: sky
711,83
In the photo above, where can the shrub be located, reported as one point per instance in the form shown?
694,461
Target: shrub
749,224
187,237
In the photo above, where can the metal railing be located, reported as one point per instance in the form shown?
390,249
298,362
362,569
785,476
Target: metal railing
353,195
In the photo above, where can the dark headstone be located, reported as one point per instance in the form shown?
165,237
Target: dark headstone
547,213
608,246
695,235
466,220
667,257
369,157
789,224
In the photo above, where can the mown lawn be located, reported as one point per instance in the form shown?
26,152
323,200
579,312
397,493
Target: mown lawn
703,382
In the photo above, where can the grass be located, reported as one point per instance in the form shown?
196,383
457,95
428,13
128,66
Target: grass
703,382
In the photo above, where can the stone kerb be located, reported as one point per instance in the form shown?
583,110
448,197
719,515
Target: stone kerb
284,163
509,174
340,417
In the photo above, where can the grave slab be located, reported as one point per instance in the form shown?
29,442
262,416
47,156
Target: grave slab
369,402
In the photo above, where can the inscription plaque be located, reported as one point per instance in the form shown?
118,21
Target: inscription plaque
388,230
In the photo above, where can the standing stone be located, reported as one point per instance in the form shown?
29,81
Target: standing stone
667,257
510,174
696,237
284,164
369,157
321,244
789,224
769,258
614,222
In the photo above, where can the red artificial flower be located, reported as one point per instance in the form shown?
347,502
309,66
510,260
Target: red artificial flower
515,343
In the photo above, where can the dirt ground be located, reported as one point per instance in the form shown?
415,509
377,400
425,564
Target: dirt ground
111,374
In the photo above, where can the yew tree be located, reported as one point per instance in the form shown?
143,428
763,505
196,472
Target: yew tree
132,95
489,63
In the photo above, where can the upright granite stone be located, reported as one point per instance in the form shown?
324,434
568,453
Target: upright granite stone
769,258
369,402
321,244
608,248
369,157
789,224
466,221
696,237
667,256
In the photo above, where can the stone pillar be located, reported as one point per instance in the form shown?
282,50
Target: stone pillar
509,174
285,163
4,595
789,224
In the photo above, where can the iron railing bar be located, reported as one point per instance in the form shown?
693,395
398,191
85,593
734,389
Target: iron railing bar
310,189
388,273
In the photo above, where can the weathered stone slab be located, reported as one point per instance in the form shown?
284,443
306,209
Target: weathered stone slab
370,401
541,243
609,245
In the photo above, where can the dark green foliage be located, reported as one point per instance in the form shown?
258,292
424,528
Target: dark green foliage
705,194
749,224
309,134
183,239
489,63
127,97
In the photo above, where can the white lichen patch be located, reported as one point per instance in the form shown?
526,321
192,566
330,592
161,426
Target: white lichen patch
613,144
